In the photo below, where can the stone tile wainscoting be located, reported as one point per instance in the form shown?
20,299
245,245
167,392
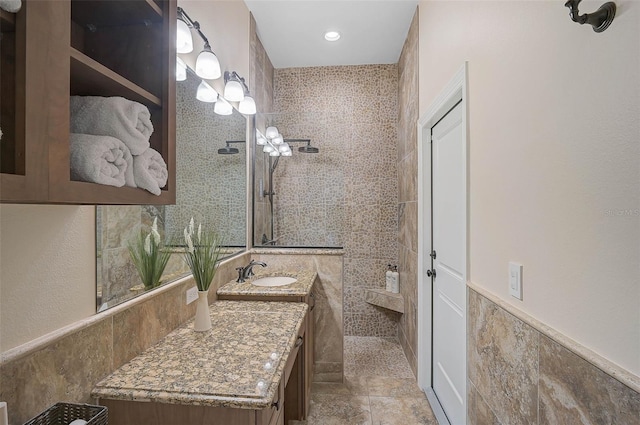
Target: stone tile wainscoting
329,330
66,364
521,372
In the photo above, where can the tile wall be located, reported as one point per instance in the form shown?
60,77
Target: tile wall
345,195
328,353
519,375
261,85
408,191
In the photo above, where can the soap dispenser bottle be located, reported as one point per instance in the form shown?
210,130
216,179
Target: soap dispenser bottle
395,280
388,278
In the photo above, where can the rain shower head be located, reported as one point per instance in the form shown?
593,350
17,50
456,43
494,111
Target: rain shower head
308,149
228,150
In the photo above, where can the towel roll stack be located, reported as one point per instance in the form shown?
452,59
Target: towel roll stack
99,159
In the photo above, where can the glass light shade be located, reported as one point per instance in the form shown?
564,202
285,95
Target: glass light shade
207,65
287,153
261,140
268,149
284,148
233,91
181,70
184,41
247,106
206,93
274,153
271,132
223,107
278,140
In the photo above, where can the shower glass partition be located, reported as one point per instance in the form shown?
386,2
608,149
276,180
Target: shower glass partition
298,199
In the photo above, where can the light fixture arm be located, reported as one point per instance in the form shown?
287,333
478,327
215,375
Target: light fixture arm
235,77
193,24
599,20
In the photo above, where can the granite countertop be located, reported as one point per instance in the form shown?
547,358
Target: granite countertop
299,288
224,367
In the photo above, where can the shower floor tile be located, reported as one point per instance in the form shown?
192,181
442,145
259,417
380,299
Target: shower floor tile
378,389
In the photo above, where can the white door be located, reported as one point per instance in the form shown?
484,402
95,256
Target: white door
449,264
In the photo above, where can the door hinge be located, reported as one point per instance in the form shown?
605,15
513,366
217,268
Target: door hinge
433,254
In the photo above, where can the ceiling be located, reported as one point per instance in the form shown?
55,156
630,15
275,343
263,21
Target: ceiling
292,31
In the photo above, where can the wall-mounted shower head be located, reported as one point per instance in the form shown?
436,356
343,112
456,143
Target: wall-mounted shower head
308,149
228,150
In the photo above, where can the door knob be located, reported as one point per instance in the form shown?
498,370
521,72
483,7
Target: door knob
431,273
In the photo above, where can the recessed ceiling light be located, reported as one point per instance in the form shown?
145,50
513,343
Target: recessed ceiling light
332,35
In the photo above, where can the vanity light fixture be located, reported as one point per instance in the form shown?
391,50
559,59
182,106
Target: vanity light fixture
184,41
236,90
247,106
260,139
207,64
271,132
332,36
222,107
206,93
181,70
233,87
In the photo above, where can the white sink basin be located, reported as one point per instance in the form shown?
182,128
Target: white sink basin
274,281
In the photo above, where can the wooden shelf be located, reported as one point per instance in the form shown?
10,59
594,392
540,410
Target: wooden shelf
7,21
107,13
87,76
98,194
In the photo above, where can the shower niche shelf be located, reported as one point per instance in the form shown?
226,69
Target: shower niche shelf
57,48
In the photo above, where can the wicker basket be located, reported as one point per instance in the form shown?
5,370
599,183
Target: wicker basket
65,413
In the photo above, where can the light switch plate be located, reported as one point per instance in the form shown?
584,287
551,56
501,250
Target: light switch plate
515,280
192,295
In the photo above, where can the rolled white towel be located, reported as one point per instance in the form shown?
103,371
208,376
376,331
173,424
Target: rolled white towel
12,6
117,117
150,171
100,159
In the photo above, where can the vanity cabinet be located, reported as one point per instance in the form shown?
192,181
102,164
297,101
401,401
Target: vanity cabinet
238,373
299,392
52,49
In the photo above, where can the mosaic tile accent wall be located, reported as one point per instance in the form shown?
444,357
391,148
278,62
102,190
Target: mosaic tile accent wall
261,73
408,191
211,187
345,195
518,375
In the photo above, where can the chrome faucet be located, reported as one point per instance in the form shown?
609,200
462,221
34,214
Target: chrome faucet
246,272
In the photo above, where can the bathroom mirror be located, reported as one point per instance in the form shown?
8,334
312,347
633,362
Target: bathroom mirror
211,184
298,196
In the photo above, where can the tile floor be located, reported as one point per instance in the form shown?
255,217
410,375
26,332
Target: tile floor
379,389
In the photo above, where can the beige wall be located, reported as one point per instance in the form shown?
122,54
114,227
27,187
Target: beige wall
225,23
47,269
554,159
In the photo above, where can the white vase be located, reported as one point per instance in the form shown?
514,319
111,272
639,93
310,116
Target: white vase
203,319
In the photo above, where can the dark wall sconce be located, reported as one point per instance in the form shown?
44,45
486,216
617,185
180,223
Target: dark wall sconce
599,20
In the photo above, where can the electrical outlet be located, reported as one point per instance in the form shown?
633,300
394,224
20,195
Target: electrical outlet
515,280
192,295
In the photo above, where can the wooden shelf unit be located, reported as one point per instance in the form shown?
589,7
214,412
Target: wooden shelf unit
82,47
